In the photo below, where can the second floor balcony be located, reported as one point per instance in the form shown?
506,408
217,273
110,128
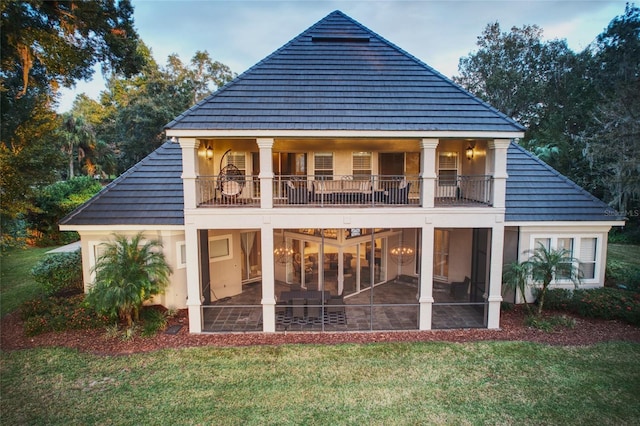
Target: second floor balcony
324,191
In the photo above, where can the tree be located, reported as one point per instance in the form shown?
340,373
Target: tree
55,43
45,45
612,143
141,106
128,273
79,137
55,201
548,265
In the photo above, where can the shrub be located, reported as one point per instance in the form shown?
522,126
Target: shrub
549,324
620,273
154,320
59,271
59,314
605,303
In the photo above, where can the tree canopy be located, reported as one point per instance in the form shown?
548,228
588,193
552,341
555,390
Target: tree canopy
581,110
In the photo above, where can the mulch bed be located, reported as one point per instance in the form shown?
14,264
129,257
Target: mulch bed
585,332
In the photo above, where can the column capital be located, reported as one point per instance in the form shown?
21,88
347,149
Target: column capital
499,143
265,143
189,143
429,143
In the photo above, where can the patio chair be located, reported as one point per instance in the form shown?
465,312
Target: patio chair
297,194
335,305
314,310
297,308
460,290
399,195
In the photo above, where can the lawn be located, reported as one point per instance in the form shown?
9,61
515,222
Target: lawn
17,286
624,253
401,383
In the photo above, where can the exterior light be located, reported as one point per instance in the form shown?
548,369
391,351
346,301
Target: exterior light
209,153
469,152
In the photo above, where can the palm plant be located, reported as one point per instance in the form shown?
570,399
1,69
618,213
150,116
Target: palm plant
547,265
128,273
516,276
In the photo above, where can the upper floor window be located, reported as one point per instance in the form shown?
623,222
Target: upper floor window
361,165
323,163
448,168
238,159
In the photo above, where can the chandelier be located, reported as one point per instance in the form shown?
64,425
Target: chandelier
282,253
401,255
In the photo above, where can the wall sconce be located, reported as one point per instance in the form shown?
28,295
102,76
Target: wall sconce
469,152
209,152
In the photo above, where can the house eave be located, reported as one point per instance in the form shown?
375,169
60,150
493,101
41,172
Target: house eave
195,133
114,228
565,224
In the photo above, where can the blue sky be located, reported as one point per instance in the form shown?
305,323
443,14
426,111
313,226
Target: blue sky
240,33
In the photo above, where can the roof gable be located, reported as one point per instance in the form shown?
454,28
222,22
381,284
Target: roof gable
339,75
536,192
149,193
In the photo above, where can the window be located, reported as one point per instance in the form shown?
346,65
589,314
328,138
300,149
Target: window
448,169
441,255
587,257
323,164
583,250
238,159
181,254
545,242
361,165
565,244
220,248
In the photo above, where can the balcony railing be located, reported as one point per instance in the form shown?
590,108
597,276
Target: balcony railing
346,190
236,191
342,190
463,190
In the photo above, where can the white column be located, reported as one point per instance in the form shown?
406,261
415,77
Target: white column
499,172
495,276
266,172
426,278
194,296
428,171
189,171
268,277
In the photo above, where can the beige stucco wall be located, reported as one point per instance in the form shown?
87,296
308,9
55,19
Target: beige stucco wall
175,295
567,230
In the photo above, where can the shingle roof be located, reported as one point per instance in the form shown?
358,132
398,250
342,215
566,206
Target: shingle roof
536,192
339,75
149,193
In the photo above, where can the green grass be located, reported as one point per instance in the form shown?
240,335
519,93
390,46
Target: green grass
624,253
380,384
16,284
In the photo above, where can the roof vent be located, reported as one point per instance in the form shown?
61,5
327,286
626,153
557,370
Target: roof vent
340,39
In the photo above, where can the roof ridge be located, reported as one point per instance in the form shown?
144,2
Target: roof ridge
535,158
113,183
431,69
244,74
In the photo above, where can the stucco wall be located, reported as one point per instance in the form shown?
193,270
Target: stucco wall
175,295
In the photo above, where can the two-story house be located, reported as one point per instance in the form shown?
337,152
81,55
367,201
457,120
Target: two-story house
343,184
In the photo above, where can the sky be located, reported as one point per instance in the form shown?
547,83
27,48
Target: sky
240,33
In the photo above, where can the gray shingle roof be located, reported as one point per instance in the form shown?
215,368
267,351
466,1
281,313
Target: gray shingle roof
149,193
339,75
536,192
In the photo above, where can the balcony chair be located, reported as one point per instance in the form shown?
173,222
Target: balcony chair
399,194
297,194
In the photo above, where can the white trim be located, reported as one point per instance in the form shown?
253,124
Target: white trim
205,133
577,239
